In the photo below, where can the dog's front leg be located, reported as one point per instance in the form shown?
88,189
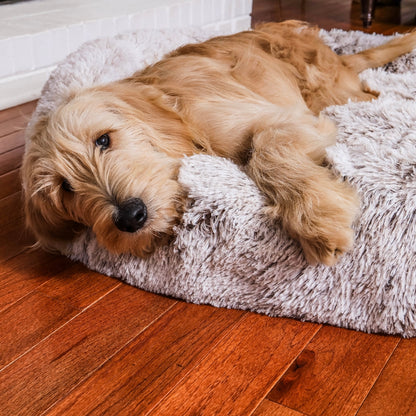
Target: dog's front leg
312,205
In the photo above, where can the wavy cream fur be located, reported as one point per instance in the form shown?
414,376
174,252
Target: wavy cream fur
253,97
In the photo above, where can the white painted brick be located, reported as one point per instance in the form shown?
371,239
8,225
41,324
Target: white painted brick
239,6
186,14
210,27
225,27
241,23
175,16
162,17
227,9
60,43
92,29
143,20
23,53
207,12
122,23
108,27
76,36
6,61
7,30
42,50
59,18
149,19
217,10
248,7
196,12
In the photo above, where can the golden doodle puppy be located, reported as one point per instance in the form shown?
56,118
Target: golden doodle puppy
108,158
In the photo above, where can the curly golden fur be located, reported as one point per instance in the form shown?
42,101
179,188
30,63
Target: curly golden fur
109,157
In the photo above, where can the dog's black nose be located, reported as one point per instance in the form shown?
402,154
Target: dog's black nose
131,215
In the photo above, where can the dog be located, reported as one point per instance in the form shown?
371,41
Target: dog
108,157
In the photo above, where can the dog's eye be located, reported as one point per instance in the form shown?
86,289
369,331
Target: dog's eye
103,141
66,186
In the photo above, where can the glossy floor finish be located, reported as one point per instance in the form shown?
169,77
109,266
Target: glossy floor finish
74,342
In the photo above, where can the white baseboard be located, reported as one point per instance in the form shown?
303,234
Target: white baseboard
19,89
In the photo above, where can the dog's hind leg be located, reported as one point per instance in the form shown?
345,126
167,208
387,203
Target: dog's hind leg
313,206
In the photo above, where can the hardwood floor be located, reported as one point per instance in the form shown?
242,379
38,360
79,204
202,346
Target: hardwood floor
341,14
74,342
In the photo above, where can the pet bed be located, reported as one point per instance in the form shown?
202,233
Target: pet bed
228,254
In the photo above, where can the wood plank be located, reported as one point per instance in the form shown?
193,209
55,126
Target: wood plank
14,239
17,111
10,183
71,289
334,373
134,380
268,408
26,272
394,393
77,286
11,209
12,125
234,378
11,160
19,333
49,371
11,141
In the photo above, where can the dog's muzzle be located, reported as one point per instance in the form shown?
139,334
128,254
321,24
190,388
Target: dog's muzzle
131,215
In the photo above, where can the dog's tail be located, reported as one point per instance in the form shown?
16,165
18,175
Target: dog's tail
381,55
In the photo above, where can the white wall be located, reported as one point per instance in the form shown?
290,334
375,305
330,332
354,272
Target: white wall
37,34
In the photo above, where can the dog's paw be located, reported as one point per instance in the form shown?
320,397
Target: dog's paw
327,249
322,222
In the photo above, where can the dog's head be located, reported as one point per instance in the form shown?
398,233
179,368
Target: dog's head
107,159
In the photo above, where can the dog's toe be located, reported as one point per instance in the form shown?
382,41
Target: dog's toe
328,249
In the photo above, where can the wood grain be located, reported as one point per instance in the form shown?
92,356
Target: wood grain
10,183
135,379
269,408
11,160
60,362
334,373
11,209
233,379
13,125
26,272
11,141
23,111
60,293
19,334
14,237
394,393
77,286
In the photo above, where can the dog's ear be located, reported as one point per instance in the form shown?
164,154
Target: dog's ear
51,231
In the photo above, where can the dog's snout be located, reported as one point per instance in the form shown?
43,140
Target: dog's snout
131,215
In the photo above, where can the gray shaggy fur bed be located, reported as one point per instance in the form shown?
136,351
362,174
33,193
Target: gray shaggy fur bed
226,253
